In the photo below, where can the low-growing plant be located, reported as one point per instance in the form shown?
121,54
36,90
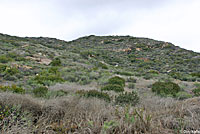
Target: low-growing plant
131,85
94,93
4,59
196,91
2,68
117,81
183,95
55,94
56,62
131,98
165,88
13,88
113,87
40,91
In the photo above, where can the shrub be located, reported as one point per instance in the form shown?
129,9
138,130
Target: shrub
13,88
113,87
54,94
4,59
2,68
131,85
11,71
56,62
124,73
117,81
165,88
102,65
40,91
127,98
196,91
84,80
183,95
94,93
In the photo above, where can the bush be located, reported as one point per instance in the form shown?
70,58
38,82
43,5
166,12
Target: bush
54,94
117,81
127,98
102,65
183,95
56,62
113,87
94,93
131,85
40,91
11,71
196,91
4,59
2,68
124,73
13,88
165,88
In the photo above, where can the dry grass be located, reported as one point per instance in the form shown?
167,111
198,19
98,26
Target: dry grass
71,114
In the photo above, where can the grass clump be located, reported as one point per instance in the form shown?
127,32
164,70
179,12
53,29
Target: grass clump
113,87
94,93
40,91
127,98
165,88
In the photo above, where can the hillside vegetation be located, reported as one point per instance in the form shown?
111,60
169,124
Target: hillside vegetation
97,84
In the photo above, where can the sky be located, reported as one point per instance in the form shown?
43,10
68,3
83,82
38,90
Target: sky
175,21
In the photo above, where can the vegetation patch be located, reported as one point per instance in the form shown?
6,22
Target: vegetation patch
117,81
40,91
13,88
196,91
94,93
113,87
165,88
127,98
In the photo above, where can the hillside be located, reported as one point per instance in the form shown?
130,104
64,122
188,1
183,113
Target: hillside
56,81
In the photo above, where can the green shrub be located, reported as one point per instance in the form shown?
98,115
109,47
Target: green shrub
127,98
13,88
54,94
2,68
131,85
84,80
4,59
40,91
94,93
165,88
124,73
117,81
113,87
48,77
196,91
183,95
56,62
11,71
102,65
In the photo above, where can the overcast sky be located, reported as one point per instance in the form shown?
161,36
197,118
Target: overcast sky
176,21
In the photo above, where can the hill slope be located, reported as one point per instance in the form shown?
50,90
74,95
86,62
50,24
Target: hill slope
56,81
